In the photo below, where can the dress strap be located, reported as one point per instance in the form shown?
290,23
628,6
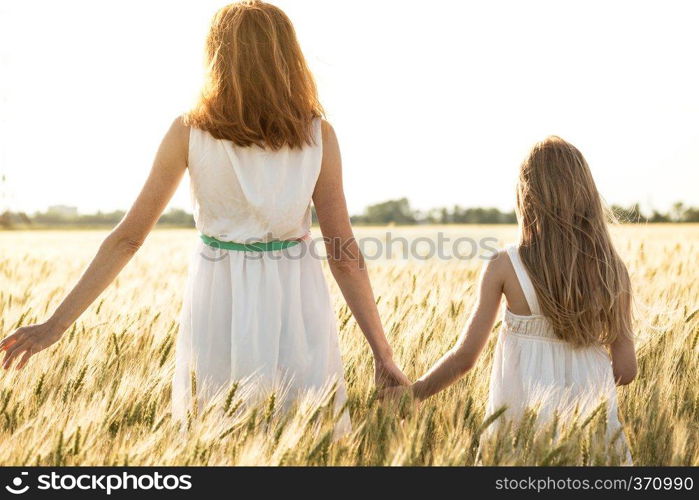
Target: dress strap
317,132
524,280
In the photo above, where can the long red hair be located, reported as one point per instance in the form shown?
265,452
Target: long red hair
259,89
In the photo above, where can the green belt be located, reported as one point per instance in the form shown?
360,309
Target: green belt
250,247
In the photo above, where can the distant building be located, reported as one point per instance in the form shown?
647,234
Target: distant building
63,210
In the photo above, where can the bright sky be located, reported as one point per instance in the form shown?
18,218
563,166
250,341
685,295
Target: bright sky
436,101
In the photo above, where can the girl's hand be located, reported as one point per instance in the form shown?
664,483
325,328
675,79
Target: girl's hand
395,394
387,374
27,341
400,400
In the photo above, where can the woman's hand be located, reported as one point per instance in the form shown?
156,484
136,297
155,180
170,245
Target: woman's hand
346,261
27,341
115,251
387,374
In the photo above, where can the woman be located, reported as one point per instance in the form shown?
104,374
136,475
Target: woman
258,152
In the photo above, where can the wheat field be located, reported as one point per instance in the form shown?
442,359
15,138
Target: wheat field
102,395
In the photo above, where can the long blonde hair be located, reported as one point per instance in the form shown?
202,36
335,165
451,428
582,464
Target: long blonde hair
259,89
582,285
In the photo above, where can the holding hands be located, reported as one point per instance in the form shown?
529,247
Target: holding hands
387,374
394,387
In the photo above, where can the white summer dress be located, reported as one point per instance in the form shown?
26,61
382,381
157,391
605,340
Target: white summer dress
532,368
261,317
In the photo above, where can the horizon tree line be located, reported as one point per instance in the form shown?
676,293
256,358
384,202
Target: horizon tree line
398,212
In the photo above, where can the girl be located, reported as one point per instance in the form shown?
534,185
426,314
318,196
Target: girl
258,152
568,298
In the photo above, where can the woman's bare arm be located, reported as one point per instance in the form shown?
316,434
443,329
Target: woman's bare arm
114,252
346,260
462,357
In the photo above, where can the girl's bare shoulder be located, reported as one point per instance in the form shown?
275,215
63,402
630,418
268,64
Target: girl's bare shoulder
498,264
495,269
503,272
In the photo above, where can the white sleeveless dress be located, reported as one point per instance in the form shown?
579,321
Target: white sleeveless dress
532,368
263,318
